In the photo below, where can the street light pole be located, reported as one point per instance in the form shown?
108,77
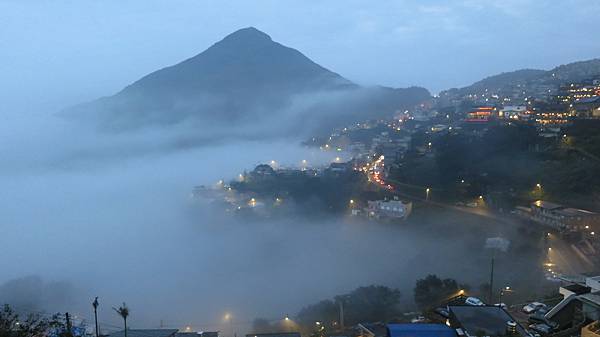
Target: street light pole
491,298
342,314
95,305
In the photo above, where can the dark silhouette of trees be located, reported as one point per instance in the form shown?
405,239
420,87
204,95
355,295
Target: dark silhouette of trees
432,291
33,325
364,304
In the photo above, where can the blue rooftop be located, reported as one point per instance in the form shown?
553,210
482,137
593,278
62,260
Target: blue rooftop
420,330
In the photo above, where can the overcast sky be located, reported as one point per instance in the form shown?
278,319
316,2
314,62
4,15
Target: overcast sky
61,52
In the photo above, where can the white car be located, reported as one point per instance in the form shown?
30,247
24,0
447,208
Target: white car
533,307
474,301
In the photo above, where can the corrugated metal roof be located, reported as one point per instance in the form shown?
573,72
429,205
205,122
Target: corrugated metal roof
145,333
420,330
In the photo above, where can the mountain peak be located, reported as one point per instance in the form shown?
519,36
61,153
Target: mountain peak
248,34
244,77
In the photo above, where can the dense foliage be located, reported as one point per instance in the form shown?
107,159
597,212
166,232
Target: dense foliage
13,324
432,291
365,304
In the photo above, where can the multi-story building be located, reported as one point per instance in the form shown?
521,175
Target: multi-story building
561,217
586,107
481,114
514,112
574,91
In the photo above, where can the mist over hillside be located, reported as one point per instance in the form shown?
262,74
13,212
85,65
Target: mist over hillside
244,80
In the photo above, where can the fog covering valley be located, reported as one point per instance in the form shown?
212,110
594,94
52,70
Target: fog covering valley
110,215
95,209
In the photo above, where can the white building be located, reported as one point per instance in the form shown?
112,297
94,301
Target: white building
514,112
388,209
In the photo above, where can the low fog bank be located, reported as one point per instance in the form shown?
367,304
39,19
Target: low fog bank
244,115
111,216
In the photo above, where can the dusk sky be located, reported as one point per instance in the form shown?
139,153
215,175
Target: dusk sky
62,52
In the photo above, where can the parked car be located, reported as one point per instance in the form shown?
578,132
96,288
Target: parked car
537,318
474,301
533,307
541,328
442,312
501,305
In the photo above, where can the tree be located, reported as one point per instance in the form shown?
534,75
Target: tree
432,291
123,311
325,311
364,304
34,325
370,304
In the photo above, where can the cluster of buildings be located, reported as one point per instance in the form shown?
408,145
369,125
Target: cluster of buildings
546,106
560,217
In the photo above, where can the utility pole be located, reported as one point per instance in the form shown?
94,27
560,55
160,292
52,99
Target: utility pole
68,320
491,296
95,305
341,303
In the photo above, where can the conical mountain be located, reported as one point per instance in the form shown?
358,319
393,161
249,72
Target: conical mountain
244,77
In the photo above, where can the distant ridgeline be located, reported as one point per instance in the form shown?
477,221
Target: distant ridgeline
244,80
530,82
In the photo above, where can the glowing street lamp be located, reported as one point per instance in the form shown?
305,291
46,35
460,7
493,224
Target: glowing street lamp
504,290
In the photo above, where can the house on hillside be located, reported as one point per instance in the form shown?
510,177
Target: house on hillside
586,107
263,170
561,217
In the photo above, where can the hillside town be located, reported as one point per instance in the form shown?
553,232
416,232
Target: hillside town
162,179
